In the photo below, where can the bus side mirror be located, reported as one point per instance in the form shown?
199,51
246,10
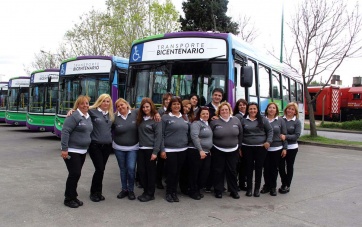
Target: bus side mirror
246,76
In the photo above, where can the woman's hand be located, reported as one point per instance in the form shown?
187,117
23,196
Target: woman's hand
70,112
64,154
284,153
153,157
240,153
282,137
163,155
266,145
157,117
202,155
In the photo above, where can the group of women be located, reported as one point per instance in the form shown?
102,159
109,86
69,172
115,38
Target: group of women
182,141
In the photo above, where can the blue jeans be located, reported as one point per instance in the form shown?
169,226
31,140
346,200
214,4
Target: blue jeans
127,164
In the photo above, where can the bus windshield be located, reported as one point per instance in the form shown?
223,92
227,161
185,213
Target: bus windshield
73,86
181,78
18,99
43,98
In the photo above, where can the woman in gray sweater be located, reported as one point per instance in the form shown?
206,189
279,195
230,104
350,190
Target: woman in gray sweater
75,140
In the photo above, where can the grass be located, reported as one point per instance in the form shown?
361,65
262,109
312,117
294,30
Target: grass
324,140
347,125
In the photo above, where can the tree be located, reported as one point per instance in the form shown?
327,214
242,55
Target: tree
207,15
325,34
247,30
45,60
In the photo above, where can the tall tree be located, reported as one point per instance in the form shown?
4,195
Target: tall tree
207,15
247,30
325,34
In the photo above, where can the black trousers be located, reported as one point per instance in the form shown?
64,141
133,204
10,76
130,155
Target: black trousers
241,168
286,167
173,164
99,154
147,171
199,170
271,166
74,166
254,157
160,168
224,164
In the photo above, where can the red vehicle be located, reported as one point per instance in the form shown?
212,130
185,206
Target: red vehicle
340,104
332,102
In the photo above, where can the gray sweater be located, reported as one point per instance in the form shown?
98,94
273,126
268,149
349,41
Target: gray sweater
253,135
279,127
294,129
101,127
125,131
76,132
150,135
175,132
227,134
201,135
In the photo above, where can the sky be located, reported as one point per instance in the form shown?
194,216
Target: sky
29,26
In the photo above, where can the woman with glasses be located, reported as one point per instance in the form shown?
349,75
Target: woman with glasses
277,149
125,145
175,129
257,137
150,137
286,166
227,137
239,112
199,157
75,141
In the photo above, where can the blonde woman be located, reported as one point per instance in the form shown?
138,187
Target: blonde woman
286,166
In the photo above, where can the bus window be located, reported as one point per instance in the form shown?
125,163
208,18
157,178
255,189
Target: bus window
285,85
252,89
300,92
264,82
276,85
293,89
239,91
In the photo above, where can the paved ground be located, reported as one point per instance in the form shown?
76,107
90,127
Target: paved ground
339,135
325,192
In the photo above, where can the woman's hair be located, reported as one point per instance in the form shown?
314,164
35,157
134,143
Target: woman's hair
276,107
258,116
165,97
198,114
236,107
122,100
292,104
198,99
80,99
217,112
190,115
175,99
99,102
141,114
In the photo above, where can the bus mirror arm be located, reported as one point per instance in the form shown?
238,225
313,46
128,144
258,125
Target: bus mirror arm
246,76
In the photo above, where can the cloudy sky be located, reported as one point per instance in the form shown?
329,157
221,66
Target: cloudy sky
29,26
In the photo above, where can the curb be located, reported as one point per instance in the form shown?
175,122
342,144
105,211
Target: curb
330,145
337,130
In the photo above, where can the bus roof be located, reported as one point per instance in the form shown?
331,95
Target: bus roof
19,77
45,70
113,58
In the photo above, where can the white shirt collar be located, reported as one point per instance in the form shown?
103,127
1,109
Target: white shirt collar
103,112
83,115
124,117
241,113
146,118
206,123
170,113
247,117
293,119
274,119
226,120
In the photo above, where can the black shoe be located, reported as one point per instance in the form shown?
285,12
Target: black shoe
122,194
273,192
256,192
131,196
248,193
101,197
174,197
207,190
80,203
145,198
195,196
265,190
159,185
235,195
71,203
169,198
94,197
218,195
283,189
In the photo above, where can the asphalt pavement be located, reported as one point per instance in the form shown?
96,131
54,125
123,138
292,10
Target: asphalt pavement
325,192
